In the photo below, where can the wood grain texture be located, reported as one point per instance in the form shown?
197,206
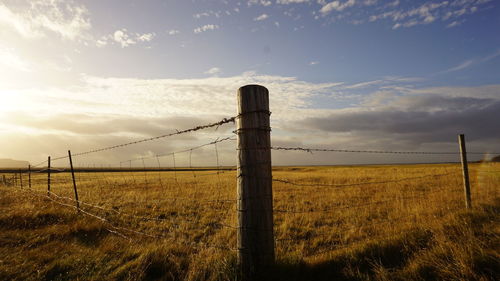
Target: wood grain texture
254,177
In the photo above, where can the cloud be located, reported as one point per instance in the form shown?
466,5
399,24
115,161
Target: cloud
106,111
286,2
173,32
426,118
471,62
410,16
453,24
121,36
314,63
124,38
10,60
38,18
213,71
206,27
261,17
146,37
336,6
264,3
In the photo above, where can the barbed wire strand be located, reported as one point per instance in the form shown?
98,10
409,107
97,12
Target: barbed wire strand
106,221
311,150
356,184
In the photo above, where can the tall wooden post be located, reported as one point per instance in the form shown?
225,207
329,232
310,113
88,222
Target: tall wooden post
255,201
465,170
74,181
48,176
29,176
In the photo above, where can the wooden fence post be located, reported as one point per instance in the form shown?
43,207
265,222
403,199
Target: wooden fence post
74,181
48,176
29,176
21,178
254,178
465,171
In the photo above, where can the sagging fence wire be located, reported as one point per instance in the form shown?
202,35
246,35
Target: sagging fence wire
194,129
360,183
311,150
118,230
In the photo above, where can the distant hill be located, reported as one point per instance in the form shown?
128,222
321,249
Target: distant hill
10,163
495,159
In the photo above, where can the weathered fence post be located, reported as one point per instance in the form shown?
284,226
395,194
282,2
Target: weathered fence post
465,171
21,178
29,176
254,177
74,181
48,176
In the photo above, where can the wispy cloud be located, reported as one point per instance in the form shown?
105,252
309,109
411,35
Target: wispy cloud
213,71
336,6
261,17
10,60
206,27
264,3
124,38
286,2
471,62
173,32
64,18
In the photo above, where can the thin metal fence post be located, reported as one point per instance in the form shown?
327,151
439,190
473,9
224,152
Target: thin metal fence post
29,176
254,177
48,176
465,171
74,181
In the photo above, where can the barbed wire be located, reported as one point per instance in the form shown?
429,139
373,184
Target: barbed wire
115,228
311,150
357,184
218,140
194,129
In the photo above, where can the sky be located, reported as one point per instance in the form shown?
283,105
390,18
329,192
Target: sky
347,74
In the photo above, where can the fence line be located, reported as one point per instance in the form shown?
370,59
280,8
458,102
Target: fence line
110,224
194,129
311,150
358,184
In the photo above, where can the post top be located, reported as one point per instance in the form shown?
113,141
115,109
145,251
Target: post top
255,86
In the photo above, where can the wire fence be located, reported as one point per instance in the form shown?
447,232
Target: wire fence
316,210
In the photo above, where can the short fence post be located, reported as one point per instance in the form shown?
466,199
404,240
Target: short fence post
48,176
254,178
15,179
29,176
21,178
74,181
465,171
4,180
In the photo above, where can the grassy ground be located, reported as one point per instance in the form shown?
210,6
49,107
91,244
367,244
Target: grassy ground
408,224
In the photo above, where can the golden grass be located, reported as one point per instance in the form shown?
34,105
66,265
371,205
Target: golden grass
394,229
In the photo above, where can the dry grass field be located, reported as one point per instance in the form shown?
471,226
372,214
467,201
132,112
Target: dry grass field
407,223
